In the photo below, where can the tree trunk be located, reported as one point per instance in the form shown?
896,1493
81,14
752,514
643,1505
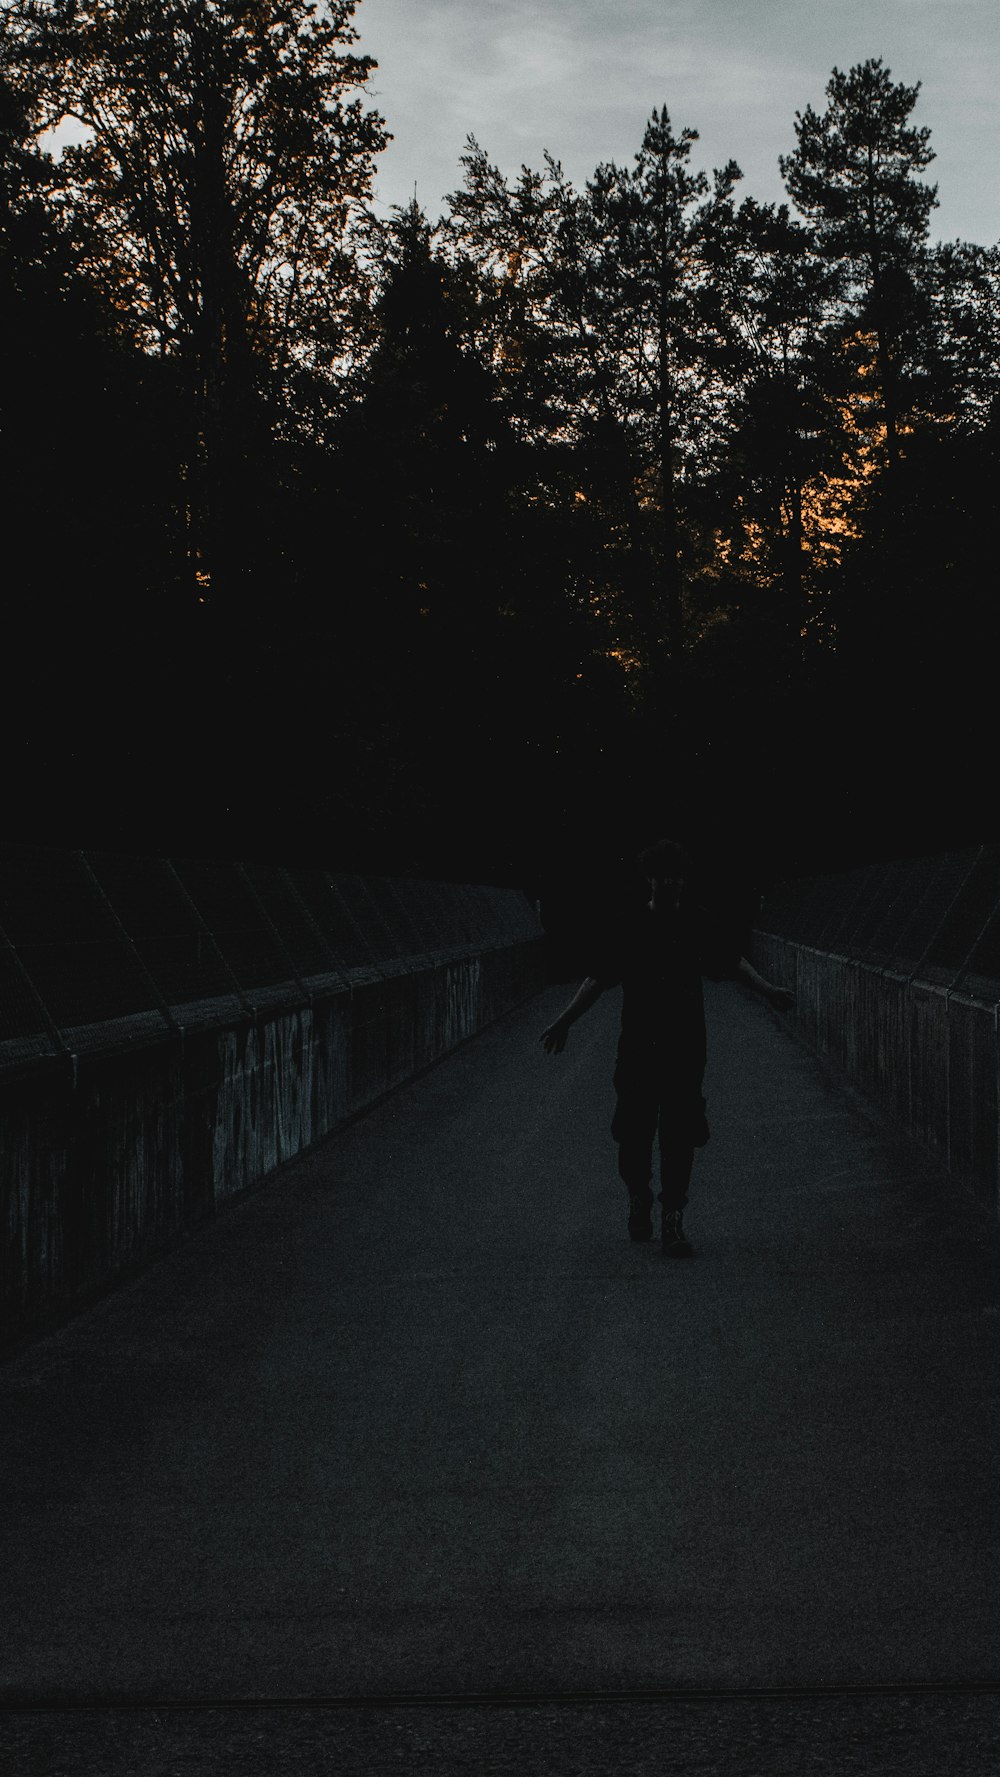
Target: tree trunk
667,605
223,377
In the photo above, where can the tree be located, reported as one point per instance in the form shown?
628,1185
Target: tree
67,370
963,358
226,153
421,449
87,432
786,425
855,176
654,242
469,608
516,249
614,334
608,313
505,241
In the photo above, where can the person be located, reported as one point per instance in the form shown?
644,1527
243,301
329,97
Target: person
658,953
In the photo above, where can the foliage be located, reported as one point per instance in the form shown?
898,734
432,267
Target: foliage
224,152
855,176
496,538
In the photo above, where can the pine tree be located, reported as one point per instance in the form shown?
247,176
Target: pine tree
786,423
855,176
655,246
962,365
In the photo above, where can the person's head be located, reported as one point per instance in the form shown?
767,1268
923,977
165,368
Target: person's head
668,869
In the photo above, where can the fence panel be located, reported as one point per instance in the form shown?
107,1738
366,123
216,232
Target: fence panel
100,950
920,940
938,917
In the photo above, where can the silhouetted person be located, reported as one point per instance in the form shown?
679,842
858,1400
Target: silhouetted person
658,951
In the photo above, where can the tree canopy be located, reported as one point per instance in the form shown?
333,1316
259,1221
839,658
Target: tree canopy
443,542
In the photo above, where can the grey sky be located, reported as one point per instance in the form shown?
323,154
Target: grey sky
580,77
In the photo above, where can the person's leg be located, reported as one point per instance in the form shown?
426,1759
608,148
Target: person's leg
682,1128
676,1161
633,1128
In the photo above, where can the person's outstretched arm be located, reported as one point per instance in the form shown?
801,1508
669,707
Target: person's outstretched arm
554,1039
778,996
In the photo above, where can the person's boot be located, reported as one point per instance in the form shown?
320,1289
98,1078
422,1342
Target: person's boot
675,1241
640,1215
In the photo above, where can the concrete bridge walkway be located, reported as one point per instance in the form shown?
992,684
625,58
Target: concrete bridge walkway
417,1419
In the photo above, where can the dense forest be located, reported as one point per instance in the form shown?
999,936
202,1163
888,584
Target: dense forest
490,542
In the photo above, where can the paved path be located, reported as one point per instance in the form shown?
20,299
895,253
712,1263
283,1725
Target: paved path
418,1419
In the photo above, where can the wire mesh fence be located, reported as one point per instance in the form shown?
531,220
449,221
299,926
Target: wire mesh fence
937,917
98,949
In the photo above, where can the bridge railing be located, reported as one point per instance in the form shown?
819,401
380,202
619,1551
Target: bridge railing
174,1030
896,972
938,917
100,951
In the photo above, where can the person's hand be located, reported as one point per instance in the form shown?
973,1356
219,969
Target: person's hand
554,1039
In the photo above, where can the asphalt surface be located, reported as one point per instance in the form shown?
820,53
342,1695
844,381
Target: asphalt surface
413,1462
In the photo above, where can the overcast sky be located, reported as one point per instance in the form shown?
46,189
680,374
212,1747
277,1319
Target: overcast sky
580,77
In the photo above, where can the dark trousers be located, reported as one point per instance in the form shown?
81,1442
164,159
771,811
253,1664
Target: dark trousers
667,1103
